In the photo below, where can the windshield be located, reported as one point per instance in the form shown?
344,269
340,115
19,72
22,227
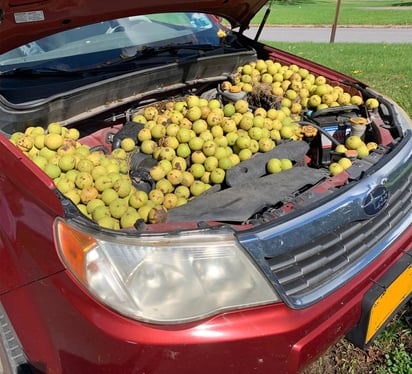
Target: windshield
105,42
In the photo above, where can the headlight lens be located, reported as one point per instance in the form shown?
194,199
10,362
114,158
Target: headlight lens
163,279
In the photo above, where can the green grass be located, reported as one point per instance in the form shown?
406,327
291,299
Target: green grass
395,343
384,67
319,12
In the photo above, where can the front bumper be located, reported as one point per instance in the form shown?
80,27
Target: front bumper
63,330
383,300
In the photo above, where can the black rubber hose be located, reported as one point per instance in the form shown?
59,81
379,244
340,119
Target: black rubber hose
320,129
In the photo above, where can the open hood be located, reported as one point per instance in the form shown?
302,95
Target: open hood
22,21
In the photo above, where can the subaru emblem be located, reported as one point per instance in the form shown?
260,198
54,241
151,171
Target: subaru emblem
376,200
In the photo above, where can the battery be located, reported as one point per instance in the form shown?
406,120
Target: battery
339,132
332,131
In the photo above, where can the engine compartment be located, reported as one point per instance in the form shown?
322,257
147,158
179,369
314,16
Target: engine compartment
200,149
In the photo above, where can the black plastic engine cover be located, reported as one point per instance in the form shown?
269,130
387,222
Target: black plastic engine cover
239,203
255,167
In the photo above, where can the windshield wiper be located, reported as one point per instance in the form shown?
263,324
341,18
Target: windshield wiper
170,50
40,71
174,48
120,65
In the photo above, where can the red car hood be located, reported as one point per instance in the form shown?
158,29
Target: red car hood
22,21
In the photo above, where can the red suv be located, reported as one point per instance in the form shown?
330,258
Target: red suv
176,197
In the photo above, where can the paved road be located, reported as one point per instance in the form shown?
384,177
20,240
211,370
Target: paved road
342,34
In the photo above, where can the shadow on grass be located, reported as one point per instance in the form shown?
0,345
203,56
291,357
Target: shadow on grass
409,3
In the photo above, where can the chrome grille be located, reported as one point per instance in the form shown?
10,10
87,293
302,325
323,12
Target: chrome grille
314,265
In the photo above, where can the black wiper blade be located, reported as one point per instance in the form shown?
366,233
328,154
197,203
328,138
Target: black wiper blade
39,72
130,59
131,54
33,72
178,47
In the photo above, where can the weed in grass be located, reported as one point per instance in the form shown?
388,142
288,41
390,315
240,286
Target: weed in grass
394,342
399,361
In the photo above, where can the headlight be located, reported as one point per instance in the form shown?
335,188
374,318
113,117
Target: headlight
163,279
